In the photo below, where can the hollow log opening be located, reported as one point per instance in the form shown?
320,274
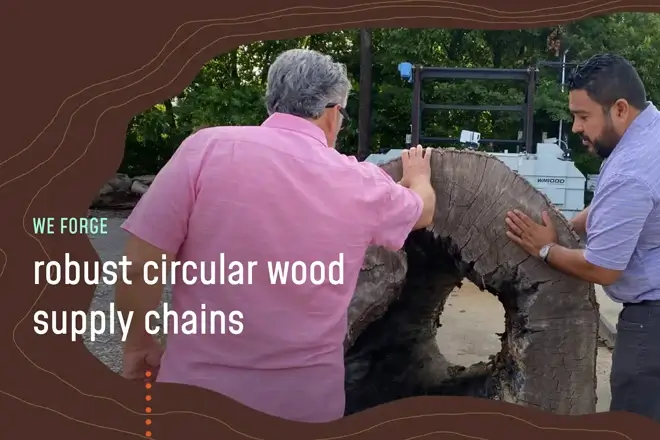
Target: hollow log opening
548,353
471,325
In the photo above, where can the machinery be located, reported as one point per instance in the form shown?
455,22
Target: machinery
547,166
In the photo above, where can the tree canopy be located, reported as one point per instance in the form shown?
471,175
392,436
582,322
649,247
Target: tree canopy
229,88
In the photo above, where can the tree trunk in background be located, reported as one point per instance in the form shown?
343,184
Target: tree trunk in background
548,357
364,122
169,109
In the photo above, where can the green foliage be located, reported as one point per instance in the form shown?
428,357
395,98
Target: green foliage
229,89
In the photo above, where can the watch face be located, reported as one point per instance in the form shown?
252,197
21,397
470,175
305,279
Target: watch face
544,251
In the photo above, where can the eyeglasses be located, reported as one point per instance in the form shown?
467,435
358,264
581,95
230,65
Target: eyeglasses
342,111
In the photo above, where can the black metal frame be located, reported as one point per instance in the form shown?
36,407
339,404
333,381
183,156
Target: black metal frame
556,64
529,76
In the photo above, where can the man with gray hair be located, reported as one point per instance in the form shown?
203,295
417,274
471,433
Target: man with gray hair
307,84
275,193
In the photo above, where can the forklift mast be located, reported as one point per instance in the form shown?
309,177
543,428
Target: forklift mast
417,74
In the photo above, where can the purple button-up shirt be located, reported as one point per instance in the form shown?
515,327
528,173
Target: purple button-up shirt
623,226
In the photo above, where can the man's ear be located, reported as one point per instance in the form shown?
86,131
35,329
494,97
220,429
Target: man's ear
621,108
335,117
324,121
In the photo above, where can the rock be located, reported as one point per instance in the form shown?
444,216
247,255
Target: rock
146,180
139,188
120,182
121,192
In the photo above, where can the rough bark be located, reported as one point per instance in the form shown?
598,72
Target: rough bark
548,357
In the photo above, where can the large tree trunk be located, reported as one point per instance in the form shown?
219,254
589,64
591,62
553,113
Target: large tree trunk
548,357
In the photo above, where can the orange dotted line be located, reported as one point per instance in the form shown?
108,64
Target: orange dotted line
147,397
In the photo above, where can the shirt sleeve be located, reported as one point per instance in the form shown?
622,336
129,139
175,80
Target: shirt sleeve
161,216
616,218
393,209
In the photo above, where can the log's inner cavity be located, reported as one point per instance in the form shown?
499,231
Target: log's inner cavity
470,325
397,356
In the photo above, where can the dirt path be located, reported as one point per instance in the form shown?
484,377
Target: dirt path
469,323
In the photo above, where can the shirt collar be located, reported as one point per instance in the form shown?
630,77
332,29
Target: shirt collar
643,119
295,123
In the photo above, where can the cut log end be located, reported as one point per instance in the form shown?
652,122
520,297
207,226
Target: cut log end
549,345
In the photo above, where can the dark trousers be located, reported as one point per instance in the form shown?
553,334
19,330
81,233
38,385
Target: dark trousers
635,377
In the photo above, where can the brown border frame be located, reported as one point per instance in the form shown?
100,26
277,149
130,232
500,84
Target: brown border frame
74,73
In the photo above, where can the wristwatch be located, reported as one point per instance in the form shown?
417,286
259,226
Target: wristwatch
545,250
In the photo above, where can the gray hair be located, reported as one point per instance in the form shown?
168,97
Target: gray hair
302,82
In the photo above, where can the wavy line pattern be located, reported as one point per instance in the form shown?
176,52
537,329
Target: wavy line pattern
239,29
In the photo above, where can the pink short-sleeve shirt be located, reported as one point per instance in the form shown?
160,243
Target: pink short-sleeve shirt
269,193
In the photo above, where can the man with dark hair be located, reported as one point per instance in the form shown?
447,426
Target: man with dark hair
603,80
622,224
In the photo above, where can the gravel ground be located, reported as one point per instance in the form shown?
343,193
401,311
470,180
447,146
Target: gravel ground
107,347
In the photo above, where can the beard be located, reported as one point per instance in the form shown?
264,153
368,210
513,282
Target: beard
604,144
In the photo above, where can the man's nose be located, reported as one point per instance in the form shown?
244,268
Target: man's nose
576,128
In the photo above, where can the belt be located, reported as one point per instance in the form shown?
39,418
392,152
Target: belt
646,302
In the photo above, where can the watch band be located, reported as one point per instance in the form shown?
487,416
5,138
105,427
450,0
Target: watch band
547,253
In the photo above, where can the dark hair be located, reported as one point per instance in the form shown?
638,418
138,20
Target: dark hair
607,78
